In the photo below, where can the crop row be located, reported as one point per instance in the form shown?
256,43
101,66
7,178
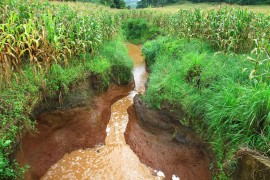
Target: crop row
42,34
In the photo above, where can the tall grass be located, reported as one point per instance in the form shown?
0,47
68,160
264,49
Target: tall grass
217,95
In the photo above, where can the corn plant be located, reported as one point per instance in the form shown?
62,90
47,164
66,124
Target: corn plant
42,34
228,29
261,61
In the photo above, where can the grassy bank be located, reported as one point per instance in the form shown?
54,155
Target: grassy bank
112,64
44,49
218,92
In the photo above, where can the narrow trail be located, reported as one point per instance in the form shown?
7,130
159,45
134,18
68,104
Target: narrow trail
115,159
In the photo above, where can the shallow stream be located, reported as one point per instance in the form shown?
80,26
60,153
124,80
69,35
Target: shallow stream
115,159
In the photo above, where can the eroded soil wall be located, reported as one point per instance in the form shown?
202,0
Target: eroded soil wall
181,154
65,130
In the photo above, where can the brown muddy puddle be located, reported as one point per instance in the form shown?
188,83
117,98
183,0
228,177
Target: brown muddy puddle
115,159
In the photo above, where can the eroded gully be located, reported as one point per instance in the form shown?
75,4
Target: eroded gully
115,159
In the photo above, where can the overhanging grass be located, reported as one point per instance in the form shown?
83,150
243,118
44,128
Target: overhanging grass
214,92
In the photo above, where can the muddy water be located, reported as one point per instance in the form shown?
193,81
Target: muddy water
115,159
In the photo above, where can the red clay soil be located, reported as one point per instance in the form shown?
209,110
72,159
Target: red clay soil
63,131
189,162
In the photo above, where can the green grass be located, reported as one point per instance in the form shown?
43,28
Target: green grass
138,31
216,94
17,102
112,63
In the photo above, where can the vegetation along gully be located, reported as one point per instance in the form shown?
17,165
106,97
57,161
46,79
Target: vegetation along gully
114,89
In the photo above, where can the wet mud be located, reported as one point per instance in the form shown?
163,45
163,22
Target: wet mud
160,151
63,131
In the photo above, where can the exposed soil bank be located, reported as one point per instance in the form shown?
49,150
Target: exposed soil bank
150,135
251,165
65,130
